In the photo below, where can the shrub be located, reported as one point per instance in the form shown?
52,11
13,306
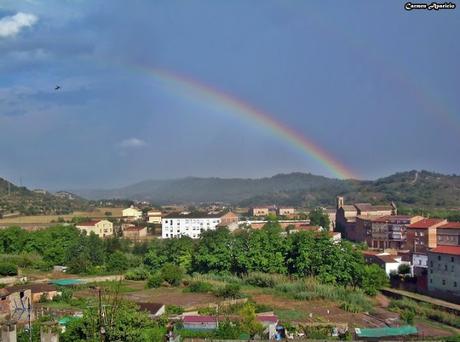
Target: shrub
155,280
408,316
172,274
8,269
174,309
209,311
404,269
229,291
138,273
117,262
200,287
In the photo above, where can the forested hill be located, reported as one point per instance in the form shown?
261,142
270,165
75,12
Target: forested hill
412,188
14,198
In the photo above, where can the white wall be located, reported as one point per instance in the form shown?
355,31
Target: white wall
192,227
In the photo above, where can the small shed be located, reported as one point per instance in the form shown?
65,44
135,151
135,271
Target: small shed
153,309
198,322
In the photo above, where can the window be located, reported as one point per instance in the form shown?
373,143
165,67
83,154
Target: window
455,284
445,267
451,259
443,282
431,280
439,257
431,263
431,271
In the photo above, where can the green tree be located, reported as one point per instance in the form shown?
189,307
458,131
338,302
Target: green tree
172,274
404,269
214,252
122,322
374,278
8,269
249,322
117,262
319,218
154,280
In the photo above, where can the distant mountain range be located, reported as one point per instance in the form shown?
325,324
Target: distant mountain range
421,189
411,188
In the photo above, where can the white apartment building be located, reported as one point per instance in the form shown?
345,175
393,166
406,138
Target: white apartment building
102,228
193,224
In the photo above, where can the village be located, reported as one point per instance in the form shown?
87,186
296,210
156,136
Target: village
420,257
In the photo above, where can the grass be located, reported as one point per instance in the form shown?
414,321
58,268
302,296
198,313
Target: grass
350,299
425,310
112,285
290,315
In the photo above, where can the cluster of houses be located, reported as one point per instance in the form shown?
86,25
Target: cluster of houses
430,246
133,224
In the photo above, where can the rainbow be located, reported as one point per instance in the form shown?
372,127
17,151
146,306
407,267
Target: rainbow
254,115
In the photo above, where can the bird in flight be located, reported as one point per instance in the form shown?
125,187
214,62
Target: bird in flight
57,87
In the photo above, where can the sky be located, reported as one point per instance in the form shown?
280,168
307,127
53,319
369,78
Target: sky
373,86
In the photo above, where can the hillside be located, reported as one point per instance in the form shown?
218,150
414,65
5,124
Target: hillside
15,199
412,188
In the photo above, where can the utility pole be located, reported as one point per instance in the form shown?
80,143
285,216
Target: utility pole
101,325
29,308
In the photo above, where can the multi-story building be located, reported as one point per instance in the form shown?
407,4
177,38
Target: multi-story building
286,211
132,214
390,231
346,215
421,236
102,228
154,216
260,211
192,224
444,272
361,230
134,233
449,234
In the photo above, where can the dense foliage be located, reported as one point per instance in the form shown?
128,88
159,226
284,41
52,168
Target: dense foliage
65,245
268,250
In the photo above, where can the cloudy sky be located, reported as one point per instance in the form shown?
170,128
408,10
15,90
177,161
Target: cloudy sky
370,83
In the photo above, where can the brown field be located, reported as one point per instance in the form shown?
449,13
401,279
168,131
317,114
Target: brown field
45,219
294,311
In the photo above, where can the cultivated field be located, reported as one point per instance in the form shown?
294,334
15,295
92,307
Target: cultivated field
46,219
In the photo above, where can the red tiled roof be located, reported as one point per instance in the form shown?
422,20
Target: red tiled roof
454,225
451,250
386,258
199,319
153,308
425,223
88,223
272,319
